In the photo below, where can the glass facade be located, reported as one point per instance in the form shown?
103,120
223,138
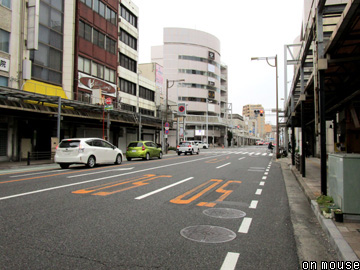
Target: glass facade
47,60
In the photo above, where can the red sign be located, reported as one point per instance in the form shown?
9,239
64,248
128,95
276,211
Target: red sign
108,101
167,124
166,131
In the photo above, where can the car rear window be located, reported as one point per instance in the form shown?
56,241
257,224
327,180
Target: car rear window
184,144
69,144
135,144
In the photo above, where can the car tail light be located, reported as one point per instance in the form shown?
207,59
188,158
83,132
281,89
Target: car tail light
81,149
178,146
143,148
189,146
127,148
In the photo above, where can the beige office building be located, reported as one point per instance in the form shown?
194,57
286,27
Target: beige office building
194,56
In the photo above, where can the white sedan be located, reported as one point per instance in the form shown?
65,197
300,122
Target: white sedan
88,151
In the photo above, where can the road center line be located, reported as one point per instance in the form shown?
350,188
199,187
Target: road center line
230,261
258,191
164,188
245,225
241,158
121,169
223,165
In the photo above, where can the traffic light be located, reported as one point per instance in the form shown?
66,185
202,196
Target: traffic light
261,112
256,112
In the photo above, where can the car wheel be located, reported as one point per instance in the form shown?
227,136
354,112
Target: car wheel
91,162
147,157
160,155
192,151
198,152
64,165
118,159
128,158
179,153
204,147
185,153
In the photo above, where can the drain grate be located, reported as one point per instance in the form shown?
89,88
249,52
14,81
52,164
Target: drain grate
208,234
224,213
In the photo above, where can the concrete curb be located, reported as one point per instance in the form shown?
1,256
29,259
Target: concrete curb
343,249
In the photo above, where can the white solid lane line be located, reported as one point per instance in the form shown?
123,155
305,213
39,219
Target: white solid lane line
241,158
223,165
230,261
161,189
245,225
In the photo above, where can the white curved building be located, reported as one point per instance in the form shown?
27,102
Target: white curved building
194,56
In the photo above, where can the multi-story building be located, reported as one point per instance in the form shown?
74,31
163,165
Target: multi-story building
193,57
259,128
76,56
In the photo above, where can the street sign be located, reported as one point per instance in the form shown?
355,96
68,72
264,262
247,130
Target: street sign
108,107
108,101
166,131
167,124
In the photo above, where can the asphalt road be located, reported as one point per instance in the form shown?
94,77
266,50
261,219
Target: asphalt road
222,209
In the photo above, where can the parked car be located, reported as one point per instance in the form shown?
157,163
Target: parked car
187,147
144,150
88,151
202,144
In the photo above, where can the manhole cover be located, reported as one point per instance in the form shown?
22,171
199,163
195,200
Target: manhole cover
224,213
208,234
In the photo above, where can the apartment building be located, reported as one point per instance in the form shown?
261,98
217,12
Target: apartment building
198,80
258,129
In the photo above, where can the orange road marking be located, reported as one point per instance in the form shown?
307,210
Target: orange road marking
215,160
179,199
136,182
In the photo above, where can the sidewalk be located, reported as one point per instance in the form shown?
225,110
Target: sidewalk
344,236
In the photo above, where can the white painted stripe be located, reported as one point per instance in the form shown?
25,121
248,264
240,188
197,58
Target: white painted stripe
230,261
245,152
264,177
28,174
262,183
241,158
271,154
245,225
164,188
251,153
266,173
258,191
253,204
257,154
264,154
223,165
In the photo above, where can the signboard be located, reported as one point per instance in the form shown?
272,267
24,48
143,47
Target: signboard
93,83
166,131
108,107
181,108
167,124
200,132
108,101
4,64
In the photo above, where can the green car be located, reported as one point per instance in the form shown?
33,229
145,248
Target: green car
143,149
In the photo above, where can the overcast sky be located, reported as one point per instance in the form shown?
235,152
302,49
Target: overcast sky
245,29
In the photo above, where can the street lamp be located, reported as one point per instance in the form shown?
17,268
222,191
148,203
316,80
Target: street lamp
277,109
167,104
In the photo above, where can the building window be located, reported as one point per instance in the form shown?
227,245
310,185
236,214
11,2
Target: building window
98,39
127,15
147,112
127,87
6,3
127,107
127,62
102,9
146,94
47,60
4,41
110,45
85,31
3,81
128,39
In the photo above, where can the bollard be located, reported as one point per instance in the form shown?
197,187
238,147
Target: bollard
28,158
